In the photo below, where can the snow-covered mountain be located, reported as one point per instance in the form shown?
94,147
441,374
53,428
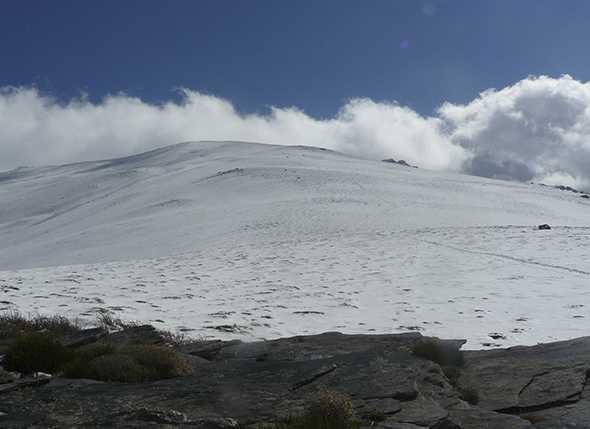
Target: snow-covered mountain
249,240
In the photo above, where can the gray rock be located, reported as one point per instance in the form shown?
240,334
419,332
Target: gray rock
84,337
22,383
396,425
257,383
421,412
208,350
475,418
156,415
552,386
142,334
387,406
547,382
6,377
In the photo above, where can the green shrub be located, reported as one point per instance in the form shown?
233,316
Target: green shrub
78,366
165,361
440,352
91,351
36,352
131,364
114,367
33,345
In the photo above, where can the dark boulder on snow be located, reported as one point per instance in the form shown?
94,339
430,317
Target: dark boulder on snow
567,188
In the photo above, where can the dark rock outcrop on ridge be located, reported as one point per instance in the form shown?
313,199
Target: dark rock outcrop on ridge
399,162
244,385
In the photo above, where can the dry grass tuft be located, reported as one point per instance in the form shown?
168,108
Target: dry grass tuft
14,323
326,410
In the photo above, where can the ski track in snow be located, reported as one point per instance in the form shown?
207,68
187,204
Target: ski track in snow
388,282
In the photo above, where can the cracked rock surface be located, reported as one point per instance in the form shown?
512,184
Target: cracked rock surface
241,385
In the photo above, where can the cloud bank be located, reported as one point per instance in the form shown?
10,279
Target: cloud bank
537,129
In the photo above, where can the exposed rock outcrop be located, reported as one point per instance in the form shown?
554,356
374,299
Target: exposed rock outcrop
247,384
401,162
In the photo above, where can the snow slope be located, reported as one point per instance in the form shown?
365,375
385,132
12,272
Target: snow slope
244,240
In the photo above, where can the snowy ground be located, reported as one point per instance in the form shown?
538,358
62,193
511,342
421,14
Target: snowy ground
249,241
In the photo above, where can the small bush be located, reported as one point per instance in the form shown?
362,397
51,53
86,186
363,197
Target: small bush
12,323
374,416
176,338
36,352
452,373
92,351
439,352
131,364
327,410
78,366
114,367
165,361
330,405
469,395
109,322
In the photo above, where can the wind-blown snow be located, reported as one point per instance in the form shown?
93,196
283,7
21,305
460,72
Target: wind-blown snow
266,241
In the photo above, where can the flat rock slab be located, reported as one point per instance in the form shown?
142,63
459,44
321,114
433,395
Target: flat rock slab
521,379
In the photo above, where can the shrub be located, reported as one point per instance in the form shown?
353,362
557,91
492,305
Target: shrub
165,362
42,352
36,352
176,338
78,367
330,406
113,367
327,410
374,416
12,323
469,395
131,364
107,320
452,373
440,352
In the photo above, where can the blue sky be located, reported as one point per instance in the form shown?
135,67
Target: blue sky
311,54
494,88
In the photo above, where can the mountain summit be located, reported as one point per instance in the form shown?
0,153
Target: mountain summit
248,240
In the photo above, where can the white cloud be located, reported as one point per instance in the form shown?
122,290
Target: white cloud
36,129
537,129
